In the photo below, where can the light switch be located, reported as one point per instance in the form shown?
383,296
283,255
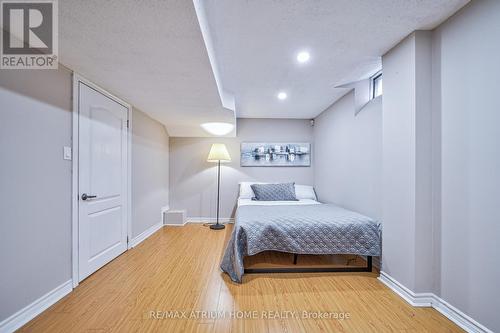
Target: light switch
67,153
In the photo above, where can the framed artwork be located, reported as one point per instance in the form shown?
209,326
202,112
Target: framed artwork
272,154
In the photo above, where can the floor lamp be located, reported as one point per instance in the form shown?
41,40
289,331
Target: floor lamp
218,153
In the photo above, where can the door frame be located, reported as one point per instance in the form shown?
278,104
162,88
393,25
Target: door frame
75,193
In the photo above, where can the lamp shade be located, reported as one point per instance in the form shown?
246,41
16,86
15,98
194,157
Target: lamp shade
218,152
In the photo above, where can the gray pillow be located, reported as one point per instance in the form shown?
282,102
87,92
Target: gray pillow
274,192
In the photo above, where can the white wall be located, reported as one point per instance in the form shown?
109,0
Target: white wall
35,185
348,156
193,180
149,171
398,162
467,66
407,163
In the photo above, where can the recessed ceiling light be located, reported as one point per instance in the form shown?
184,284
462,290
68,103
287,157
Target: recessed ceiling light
282,95
217,128
303,57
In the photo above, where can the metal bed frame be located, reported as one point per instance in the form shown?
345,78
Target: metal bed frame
367,268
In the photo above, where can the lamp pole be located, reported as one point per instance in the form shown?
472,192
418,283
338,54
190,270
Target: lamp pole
218,191
218,226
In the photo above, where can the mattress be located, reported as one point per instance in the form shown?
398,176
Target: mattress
302,228
250,202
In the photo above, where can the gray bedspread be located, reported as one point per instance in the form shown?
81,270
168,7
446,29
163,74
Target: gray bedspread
301,229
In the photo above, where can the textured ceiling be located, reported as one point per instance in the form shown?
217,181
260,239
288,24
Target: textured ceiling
255,43
153,54
150,53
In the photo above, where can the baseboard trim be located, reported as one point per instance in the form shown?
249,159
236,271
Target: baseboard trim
458,317
145,234
176,225
210,220
415,299
23,316
434,301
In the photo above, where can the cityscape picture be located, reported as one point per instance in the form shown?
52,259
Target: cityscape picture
275,154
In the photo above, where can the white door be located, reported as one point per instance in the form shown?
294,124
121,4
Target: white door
102,180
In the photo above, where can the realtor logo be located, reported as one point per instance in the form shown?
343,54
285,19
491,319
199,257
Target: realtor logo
29,34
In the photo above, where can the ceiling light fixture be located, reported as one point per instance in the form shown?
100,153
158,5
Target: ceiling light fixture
217,128
282,95
303,57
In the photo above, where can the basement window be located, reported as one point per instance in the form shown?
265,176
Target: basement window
376,85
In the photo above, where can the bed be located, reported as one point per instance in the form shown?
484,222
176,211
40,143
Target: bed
305,226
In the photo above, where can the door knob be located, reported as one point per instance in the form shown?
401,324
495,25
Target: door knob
85,196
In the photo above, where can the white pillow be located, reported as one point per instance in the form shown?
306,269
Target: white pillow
305,192
246,191
301,191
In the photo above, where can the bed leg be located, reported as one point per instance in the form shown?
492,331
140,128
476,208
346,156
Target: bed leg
295,258
368,263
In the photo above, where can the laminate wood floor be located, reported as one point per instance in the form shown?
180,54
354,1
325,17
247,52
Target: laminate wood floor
175,273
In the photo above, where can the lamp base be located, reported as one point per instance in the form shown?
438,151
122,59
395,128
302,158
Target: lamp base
217,226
